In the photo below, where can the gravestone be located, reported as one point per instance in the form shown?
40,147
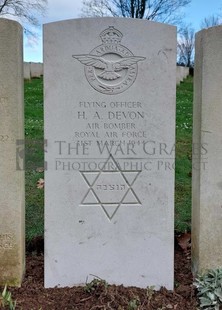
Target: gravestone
181,73
27,70
186,72
36,69
178,75
109,124
12,239
207,152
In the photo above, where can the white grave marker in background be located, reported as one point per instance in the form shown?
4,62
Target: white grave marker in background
207,152
12,182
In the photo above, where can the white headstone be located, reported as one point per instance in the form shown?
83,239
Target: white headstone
178,75
27,70
207,152
186,72
181,68
36,69
109,123
12,236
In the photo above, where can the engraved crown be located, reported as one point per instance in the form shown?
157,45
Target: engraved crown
111,36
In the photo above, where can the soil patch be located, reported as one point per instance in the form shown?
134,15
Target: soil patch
97,295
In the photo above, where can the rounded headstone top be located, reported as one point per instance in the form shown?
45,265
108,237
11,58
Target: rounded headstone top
9,23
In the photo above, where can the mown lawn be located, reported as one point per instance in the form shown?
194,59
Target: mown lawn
35,162
183,174
34,157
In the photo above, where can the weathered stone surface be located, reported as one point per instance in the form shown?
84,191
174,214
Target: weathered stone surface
12,239
207,152
109,123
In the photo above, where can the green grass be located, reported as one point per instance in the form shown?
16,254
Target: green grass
34,157
184,111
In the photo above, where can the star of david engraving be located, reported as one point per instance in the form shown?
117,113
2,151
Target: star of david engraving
110,188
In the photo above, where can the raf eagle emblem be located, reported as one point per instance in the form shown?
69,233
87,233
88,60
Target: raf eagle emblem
109,67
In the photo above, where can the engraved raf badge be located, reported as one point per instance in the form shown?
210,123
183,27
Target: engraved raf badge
110,68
